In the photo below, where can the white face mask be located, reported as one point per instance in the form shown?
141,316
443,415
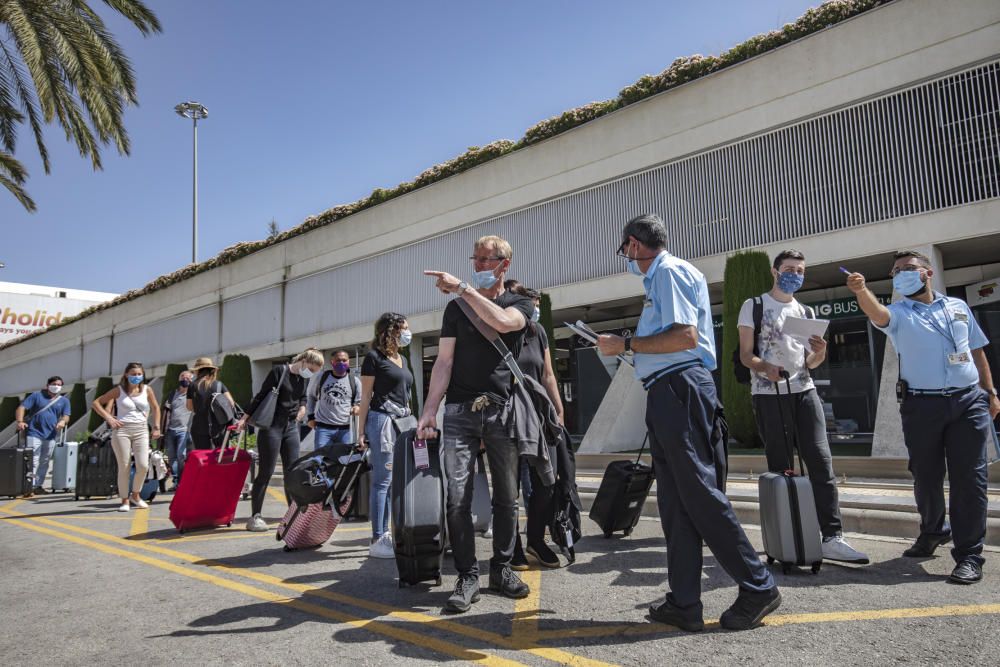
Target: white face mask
305,372
537,315
405,337
55,388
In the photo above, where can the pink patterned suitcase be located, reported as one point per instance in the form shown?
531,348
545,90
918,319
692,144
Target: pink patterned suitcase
310,526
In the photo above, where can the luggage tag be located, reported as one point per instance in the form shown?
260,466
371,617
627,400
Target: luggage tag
421,458
959,358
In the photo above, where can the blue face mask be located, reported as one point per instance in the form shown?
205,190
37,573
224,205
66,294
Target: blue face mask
790,282
908,283
483,279
135,379
537,315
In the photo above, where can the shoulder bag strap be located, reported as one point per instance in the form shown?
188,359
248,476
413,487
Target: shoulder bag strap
758,320
491,334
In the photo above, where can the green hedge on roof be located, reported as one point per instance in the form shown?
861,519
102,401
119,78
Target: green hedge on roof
681,71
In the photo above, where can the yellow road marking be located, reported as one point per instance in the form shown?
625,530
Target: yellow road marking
277,495
525,622
86,517
555,655
209,538
374,626
140,523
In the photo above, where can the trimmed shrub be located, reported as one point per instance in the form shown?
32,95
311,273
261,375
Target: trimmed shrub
7,408
747,274
104,384
77,402
235,374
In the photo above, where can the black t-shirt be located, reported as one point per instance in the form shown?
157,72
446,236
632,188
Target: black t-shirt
201,402
532,359
478,368
391,381
291,393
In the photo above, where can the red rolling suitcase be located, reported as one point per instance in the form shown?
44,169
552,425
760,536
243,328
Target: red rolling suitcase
210,488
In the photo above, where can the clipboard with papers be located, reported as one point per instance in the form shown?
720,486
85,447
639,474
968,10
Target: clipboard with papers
801,328
583,331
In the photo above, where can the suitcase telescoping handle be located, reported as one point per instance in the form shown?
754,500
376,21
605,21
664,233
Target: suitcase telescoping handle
642,449
241,439
790,471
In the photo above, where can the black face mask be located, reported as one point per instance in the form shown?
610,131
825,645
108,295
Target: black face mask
185,383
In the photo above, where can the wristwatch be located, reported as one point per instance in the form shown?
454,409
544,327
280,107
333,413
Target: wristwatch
462,286
628,343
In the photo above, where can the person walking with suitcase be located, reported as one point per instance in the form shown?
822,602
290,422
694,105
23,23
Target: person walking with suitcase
205,432
176,425
281,436
334,398
766,350
947,403
478,383
385,396
674,355
134,401
47,414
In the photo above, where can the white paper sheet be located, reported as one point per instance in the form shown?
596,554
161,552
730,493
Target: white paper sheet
801,329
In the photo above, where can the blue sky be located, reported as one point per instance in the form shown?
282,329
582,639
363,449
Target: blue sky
315,103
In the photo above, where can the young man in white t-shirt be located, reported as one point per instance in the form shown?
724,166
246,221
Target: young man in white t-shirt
777,352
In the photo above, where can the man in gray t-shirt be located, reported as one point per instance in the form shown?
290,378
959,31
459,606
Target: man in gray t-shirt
176,422
334,396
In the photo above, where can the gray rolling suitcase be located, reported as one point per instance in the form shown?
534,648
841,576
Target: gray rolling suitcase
788,518
418,516
64,464
482,506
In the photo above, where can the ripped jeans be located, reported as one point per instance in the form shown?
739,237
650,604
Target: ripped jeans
381,474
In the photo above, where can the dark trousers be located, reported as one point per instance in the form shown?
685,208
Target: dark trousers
281,438
680,415
462,432
782,419
950,433
538,499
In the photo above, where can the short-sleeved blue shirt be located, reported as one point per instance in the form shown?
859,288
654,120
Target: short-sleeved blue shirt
43,424
676,293
925,334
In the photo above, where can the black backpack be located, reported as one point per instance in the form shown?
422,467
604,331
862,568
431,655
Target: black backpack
221,409
741,372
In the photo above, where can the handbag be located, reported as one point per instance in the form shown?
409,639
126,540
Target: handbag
263,415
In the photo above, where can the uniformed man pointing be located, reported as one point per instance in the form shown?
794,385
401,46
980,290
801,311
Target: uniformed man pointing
947,403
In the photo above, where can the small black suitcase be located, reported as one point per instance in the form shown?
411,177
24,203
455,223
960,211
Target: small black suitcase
418,515
96,467
16,470
622,494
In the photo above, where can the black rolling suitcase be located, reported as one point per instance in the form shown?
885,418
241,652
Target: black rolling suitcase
16,470
96,466
622,494
418,515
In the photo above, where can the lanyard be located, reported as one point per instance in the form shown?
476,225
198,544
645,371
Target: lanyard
932,321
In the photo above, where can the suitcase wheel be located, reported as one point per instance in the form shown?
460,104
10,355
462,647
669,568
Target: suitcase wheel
437,582
628,531
76,497
770,560
786,568
607,534
402,584
229,524
816,566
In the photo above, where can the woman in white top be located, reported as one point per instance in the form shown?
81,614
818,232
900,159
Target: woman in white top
134,400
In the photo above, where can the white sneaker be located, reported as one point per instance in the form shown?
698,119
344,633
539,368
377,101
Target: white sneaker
256,524
837,548
140,503
382,547
123,507
488,533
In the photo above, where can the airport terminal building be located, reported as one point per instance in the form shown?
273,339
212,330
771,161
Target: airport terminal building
878,133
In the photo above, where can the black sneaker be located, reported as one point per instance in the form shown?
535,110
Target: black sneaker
544,555
504,581
518,561
969,571
40,491
750,609
466,592
689,620
925,545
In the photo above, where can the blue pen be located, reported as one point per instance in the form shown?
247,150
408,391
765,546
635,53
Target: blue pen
843,270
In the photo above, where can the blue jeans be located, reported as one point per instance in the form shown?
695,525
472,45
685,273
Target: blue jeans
176,443
335,435
381,462
42,451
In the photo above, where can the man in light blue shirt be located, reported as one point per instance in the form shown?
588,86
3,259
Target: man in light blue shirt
674,355
947,404
43,416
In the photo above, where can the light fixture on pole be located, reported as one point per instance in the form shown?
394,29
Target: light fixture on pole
195,112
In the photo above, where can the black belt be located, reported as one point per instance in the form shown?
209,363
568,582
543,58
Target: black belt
653,378
325,425
947,391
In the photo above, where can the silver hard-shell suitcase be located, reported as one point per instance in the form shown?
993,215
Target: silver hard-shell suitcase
788,517
64,464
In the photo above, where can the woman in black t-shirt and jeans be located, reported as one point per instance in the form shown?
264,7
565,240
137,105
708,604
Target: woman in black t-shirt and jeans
385,394
282,436
205,433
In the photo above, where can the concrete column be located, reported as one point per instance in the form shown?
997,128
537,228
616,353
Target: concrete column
887,440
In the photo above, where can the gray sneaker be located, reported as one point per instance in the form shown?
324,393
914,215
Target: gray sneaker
256,524
466,592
